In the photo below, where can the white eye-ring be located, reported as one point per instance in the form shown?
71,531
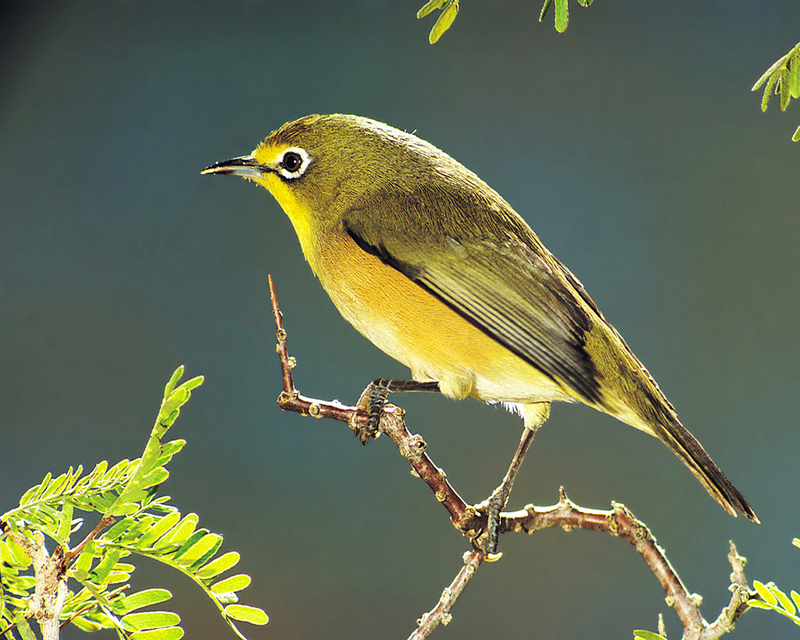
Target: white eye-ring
293,163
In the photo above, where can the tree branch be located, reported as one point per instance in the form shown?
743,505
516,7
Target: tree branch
472,521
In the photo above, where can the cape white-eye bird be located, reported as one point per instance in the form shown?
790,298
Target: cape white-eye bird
437,270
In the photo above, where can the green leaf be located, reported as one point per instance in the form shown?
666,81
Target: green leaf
117,577
56,485
150,620
159,529
123,509
430,6
170,633
176,375
768,90
562,15
794,76
20,555
118,529
7,555
209,542
43,486
84,561
175,401
545,9
786,93
155,477
783,599
232,584
136,531
168,450
243,613
180,533
765,593
190,541
66,524
28,495
758,604
114,473
143,599
796,136
24,628
103,569
220,565
796,598
768,73
47,512
193,383
646,635
85,624
444,21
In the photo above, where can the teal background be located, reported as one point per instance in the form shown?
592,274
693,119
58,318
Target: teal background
631,144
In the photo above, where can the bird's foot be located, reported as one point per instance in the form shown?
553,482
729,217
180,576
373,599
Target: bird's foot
372,402
492,506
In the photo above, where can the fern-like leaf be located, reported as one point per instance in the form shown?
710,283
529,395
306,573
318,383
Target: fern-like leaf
782,79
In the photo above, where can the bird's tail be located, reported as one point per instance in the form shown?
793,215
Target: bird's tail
688,449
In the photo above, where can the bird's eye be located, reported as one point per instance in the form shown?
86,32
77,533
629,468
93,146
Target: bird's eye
292,161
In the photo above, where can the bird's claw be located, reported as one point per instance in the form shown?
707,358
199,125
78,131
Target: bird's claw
492,506
372,402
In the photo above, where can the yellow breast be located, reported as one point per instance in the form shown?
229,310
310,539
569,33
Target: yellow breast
418,330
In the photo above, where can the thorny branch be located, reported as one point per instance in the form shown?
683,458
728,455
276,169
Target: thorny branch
471,521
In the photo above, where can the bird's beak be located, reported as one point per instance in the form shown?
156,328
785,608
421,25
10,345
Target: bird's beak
244,166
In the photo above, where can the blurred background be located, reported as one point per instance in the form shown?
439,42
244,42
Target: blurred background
631,144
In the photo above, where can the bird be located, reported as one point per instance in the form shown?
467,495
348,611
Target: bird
437,270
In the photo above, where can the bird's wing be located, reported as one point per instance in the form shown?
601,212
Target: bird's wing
504,282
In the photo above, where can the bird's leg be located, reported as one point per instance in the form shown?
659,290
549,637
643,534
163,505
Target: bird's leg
534,416
497,501
374,397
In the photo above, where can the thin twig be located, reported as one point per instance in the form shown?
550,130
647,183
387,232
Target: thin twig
440,614
73,553
619,521
471,522
740,595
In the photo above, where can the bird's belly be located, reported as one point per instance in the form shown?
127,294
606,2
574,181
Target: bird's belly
418,330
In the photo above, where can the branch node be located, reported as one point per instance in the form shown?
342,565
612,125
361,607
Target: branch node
611,521
314,410
281,335
286,397
441,496
640,532
291,362
447,597
414,448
